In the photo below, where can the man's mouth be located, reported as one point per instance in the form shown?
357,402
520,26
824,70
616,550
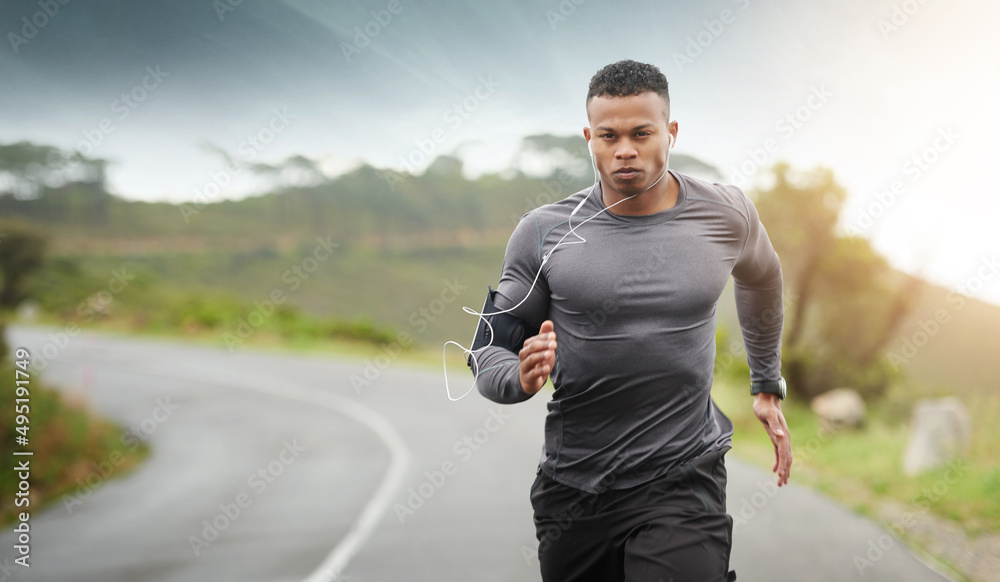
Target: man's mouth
627,173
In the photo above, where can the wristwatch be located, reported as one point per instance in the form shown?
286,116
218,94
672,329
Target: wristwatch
769,387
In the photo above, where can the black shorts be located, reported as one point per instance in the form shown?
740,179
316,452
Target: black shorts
672,529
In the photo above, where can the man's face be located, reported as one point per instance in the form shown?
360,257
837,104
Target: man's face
630,138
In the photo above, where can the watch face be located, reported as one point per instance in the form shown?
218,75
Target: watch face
783,387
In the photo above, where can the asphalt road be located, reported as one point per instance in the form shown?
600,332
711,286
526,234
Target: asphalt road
272,467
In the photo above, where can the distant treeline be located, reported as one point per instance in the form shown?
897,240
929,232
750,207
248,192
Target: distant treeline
51,187
357,255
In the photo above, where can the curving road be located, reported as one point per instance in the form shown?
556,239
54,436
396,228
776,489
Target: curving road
273,467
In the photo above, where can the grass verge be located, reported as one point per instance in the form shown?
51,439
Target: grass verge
73,450
862,469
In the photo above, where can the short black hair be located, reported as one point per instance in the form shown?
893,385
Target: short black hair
626,78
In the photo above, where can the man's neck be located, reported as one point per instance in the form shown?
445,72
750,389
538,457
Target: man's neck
660,197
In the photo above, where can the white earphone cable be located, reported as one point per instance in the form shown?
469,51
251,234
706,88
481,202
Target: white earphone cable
545,258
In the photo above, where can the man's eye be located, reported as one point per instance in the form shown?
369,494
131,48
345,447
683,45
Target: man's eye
642,134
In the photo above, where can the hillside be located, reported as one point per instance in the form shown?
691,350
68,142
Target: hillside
395,250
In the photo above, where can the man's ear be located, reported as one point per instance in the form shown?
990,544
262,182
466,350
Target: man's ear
672,128
586,134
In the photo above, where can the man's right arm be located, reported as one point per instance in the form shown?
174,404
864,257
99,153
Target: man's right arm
499,370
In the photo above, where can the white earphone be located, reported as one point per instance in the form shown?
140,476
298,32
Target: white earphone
545,258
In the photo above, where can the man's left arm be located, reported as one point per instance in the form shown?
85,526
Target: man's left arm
758,289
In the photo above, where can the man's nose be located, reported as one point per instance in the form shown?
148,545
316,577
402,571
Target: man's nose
625,151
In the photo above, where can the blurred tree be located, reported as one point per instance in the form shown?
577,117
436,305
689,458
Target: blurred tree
847,302
42,182
25,168
21,252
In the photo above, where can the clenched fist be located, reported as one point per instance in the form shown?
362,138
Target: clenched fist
538,356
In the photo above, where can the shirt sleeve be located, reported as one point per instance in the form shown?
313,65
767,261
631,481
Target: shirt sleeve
497,368
758,289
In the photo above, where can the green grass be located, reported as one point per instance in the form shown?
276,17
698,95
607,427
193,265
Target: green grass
863,468
73,449
403,290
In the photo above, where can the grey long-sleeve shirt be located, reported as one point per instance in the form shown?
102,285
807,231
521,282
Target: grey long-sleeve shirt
634,310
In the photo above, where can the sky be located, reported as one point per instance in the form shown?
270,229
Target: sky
896,97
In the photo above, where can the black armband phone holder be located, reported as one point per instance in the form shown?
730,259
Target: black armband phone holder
509,331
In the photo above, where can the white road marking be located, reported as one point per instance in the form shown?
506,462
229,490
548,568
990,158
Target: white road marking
340,556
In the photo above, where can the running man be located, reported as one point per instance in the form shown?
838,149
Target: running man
631,484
